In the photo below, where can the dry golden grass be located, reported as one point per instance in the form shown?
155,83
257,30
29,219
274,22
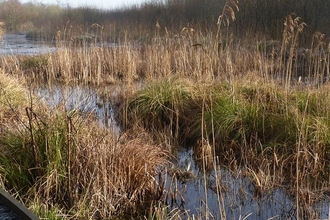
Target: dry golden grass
123,175
107,177
14,97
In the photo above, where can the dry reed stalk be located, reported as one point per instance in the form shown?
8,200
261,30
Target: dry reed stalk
228,12
204,154
175,55
292,30
2,25
219,191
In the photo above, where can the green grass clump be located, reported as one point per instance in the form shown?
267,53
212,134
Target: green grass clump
160,105
266,113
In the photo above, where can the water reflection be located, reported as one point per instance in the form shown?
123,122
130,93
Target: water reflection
82,98
230,195
17,44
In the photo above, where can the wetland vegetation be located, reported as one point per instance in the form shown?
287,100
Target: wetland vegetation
245,92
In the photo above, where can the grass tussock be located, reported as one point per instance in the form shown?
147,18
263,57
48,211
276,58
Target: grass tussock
159,105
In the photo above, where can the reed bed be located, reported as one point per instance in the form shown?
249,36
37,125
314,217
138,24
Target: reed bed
188,54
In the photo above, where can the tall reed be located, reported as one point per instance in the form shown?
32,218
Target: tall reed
2,24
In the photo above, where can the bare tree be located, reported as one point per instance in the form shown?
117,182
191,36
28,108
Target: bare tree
11,12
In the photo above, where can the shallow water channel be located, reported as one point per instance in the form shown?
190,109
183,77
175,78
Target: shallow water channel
237,198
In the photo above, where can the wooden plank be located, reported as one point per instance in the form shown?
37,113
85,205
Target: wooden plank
18,208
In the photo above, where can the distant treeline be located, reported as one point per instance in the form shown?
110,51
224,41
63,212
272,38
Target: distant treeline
261,18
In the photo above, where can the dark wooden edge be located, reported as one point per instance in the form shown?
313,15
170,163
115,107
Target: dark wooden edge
18,208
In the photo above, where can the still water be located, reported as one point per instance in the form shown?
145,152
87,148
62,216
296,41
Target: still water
18,44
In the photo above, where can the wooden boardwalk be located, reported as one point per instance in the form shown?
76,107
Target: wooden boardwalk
12,209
